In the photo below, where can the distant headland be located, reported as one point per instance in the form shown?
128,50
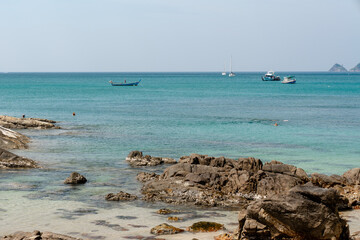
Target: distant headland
340,68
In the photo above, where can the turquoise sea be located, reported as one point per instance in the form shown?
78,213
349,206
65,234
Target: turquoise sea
167,115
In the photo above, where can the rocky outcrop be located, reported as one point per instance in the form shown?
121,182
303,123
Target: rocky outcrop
37,235
337,68
305,212
356,68
10,139
120,196
136,158
346,185
210,181
165,229
24,123
75,178
10,160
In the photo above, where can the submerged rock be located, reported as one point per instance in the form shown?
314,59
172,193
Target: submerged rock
205,227
10,139
165,229
165,211
136,158
37,235
75,178
10,160
24,123
224,236
120,196
305,212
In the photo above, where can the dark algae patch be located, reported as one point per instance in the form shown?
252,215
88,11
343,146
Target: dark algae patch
206,227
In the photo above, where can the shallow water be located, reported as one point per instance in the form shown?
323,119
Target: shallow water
168,115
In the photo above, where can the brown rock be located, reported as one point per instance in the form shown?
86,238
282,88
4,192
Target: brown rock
305,212
136,158
325,181
174,219
353,176
10,160
224,236
165,211
24,123
120,196
165,229
75,178
144,176
205,227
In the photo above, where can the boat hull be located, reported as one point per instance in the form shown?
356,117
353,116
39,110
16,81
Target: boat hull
270,78
289,82
124,84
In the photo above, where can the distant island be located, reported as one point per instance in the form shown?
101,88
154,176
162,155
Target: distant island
340,68
356,68
337,68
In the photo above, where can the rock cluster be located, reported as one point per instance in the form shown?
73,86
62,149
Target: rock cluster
210,181
75,178
10,160
24,123
304,212
120,196
37,235
136,158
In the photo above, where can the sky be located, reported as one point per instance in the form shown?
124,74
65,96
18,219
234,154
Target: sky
178,36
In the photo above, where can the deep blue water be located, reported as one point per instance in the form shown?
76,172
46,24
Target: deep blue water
176,114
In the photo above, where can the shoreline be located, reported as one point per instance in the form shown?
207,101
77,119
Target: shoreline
171,237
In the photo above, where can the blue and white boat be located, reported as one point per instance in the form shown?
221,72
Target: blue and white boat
289,80
270,76
124,84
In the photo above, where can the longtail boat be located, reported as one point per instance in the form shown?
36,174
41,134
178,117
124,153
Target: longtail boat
125,83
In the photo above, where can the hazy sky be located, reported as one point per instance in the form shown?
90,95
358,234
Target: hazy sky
178,35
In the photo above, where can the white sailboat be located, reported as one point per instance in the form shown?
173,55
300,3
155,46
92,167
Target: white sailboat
224,72
231,74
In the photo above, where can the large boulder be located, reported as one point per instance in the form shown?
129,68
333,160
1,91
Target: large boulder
24,123
305,212
137,159
10,139
10,160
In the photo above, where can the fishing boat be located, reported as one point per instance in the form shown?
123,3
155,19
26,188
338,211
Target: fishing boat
289,80
270,76
124,84
231,74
